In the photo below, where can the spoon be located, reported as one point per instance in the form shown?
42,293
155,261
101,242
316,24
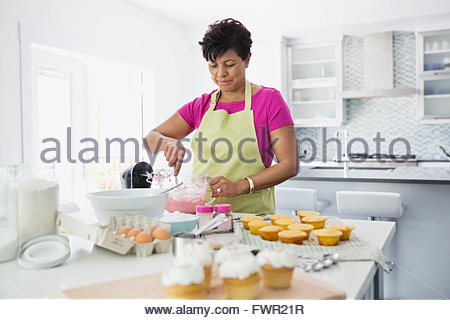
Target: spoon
334,257
171,188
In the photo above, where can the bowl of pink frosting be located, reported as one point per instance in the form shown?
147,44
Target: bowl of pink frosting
189,195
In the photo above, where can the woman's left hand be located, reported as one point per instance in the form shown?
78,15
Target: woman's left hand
222,187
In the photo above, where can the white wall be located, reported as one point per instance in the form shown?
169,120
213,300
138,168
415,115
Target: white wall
107,28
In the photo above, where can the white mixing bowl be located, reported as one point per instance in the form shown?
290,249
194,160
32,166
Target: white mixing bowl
146,202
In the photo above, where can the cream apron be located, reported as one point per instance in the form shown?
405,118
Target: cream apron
231,150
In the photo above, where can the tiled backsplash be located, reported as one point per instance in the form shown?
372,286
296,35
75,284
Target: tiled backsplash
392,117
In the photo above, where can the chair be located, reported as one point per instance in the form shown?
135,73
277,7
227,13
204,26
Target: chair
292,199
371,205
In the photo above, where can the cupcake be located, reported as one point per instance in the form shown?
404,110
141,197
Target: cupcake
328,237
240,276
230,251
278,216
277,266
318,222
301,227
246,219
204,259
184,282
283,223
292,236
255,225
270,233
345,229
301,214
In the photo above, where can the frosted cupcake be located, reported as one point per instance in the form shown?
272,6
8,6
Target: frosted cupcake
240,276
204,259
184,282
277,266
230,251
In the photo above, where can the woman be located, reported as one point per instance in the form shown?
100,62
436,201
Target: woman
240,127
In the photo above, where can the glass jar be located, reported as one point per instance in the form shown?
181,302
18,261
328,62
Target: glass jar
36,192
9,229
205,213
190,194
227,226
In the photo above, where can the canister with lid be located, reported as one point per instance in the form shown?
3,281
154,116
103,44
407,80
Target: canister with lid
224,208
204,213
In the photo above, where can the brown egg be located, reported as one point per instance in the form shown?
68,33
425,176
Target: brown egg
143,237
153,228
161,234
123,230
133,233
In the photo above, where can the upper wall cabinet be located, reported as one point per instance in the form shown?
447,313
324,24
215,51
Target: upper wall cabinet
314,84
433,49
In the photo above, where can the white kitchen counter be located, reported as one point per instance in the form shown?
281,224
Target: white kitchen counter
89,264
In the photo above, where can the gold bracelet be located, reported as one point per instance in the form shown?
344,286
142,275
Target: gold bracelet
252,185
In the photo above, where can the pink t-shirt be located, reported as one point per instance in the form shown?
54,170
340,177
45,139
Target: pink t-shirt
270,112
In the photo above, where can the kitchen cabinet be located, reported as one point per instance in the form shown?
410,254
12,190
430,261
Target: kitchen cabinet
433,59
314,84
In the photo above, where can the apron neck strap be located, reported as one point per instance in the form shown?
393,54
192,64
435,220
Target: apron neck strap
248,97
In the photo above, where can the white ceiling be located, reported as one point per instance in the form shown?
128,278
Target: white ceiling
284,16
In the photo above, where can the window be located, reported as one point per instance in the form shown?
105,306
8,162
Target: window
95,98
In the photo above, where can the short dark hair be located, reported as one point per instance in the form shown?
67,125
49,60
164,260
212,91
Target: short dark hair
224,35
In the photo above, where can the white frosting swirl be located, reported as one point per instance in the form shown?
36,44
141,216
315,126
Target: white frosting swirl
183,275
204,259
241,267
277,258
231,251
199,245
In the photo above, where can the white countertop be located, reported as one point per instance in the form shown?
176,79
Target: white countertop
89,264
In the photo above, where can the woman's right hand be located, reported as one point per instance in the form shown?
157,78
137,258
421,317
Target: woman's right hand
174,152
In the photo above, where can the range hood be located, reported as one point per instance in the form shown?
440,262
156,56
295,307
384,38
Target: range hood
378,69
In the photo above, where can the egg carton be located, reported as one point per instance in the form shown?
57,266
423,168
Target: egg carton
107,237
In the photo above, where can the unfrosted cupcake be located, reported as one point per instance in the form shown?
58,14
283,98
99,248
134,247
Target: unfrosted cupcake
345,229
292,236
301,214
184,282
240,276
318,222
254,226
270,233
229,251
246,219
283,223
328,237
277,266
301,227
278,216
